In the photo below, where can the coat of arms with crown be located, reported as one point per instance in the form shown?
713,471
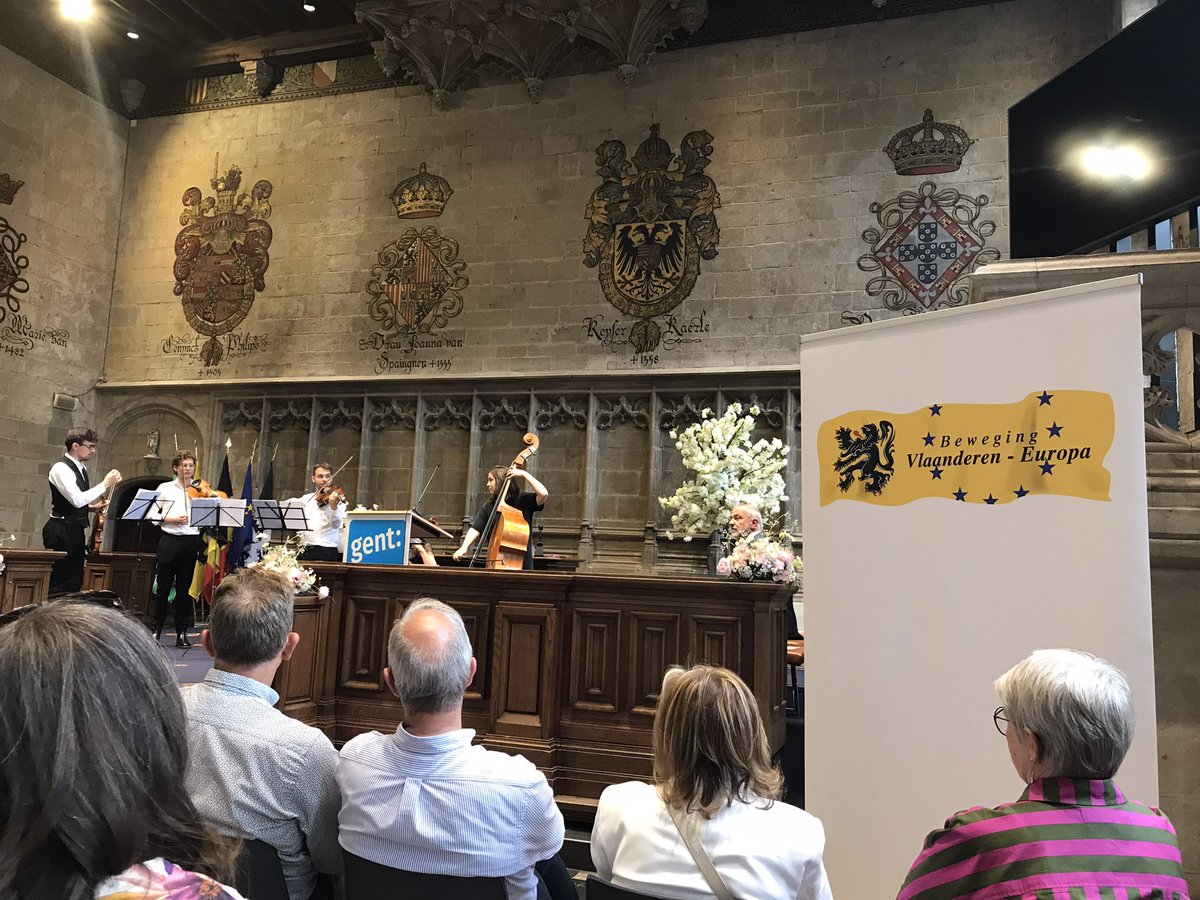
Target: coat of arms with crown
221,256
416,286
651,222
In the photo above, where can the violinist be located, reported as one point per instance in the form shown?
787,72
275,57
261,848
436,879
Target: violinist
178,549
528,502
71,496
324,508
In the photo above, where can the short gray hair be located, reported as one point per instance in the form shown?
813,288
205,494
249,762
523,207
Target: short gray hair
430,683
751,506
251,616
1079,706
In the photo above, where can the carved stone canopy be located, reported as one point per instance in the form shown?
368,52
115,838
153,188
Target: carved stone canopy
449,44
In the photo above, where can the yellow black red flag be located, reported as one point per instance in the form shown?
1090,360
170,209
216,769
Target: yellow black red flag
1052,442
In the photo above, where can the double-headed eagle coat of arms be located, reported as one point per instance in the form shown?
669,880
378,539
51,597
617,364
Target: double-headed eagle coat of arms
652,221
221,256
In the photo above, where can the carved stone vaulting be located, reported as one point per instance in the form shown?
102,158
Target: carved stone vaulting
453,44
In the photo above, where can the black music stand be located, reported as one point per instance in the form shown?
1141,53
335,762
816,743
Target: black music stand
146,504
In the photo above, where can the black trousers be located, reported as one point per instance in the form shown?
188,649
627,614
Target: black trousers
67,575
320,554
175,567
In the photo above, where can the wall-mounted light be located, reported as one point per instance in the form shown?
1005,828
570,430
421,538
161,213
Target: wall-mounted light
132,35
1124,162
76,10
308,7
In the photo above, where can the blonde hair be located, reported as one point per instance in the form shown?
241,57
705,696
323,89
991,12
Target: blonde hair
710,747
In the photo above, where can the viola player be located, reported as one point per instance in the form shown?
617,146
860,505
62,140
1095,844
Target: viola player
527,502
71,496
324,508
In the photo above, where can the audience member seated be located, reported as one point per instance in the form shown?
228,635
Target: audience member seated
715,789
1068,720
255,772
92,735
425,799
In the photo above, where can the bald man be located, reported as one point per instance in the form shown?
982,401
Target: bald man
425,799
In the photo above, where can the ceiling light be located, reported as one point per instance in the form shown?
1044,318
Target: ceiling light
76,10
132,35
308,7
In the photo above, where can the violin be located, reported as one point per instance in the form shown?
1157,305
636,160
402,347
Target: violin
510,534
200,489
331,493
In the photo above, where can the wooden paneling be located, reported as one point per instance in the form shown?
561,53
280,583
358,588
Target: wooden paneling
569,666
364,642
654,643
594,671
26,577
526,663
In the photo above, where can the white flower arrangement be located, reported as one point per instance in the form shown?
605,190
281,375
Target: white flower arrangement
762,559
730,468
283,558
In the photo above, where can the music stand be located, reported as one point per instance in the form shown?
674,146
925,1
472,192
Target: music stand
215,512
271,515
146,504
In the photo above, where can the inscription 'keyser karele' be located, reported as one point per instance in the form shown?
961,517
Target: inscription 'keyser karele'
1048,443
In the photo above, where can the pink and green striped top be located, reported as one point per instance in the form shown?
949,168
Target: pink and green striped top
1065,839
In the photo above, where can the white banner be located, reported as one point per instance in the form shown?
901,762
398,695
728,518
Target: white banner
974,489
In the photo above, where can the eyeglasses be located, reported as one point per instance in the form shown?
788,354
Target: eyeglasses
107,599
89,445
999,720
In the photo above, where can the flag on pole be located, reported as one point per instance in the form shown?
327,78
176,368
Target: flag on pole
241,538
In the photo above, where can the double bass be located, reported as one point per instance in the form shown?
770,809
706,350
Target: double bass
510,531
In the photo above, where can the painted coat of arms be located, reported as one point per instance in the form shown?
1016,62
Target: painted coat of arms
416,285
927,240
651,222
221,256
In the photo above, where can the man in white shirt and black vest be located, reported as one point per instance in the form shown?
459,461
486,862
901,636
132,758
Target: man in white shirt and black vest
71,498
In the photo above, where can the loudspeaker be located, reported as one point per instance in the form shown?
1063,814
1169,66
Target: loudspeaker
66,401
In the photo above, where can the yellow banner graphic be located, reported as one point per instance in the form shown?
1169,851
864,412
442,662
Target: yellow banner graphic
1053,442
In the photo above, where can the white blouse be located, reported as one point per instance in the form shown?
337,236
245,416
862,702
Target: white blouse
762,854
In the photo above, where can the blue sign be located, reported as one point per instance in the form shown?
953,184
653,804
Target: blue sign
377,541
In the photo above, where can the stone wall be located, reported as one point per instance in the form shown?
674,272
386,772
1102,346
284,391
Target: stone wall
70,152
798,123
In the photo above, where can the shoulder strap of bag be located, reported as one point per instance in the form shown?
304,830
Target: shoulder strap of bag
691,837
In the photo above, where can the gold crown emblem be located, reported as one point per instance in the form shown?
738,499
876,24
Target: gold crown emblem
8,188
226,187
421,196
653,154
930,148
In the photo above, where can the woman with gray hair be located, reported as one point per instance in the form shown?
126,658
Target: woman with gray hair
1068,720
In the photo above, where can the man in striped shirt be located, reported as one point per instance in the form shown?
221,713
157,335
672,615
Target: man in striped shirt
1068,720
425,799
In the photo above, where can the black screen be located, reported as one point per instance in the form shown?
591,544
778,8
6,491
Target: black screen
1140,90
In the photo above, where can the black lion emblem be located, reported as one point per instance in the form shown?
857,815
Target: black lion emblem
867,452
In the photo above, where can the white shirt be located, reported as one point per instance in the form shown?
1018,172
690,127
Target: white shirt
62,476
443,806
179,505
255,772
762,854
324,521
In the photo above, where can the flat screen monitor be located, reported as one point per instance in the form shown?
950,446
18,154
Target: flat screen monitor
1112,144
